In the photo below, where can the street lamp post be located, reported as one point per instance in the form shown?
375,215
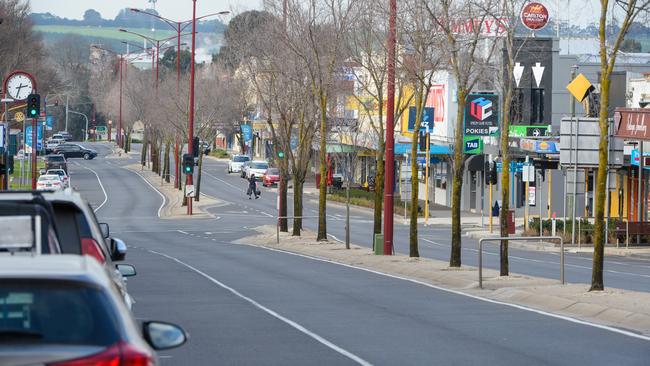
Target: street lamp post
86,117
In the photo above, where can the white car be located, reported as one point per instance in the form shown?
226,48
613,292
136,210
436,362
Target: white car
65,178
236,162
49,182
257,168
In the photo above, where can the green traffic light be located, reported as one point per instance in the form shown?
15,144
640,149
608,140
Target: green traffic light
33,112
281,154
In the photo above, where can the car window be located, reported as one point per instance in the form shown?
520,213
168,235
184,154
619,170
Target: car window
240,159
56,312
68,227
273,171
55,158
260,166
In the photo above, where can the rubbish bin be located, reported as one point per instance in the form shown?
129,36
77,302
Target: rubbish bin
511,221
317,180
379,244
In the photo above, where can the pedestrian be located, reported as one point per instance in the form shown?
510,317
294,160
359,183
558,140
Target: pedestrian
252,187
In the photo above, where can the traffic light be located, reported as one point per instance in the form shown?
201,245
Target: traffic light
423,140
188,164
195,147
33,105
281,154
491,176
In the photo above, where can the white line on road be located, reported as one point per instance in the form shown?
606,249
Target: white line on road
520,307
290,322
154,188
182,232
265,214
100,185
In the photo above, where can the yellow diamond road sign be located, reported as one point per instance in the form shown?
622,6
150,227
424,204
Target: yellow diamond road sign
19,116
580,87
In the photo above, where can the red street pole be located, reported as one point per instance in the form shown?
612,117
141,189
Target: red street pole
119,122
178,60
190,132
390,132
34,152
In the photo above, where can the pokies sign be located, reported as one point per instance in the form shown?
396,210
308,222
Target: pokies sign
534,16
481,115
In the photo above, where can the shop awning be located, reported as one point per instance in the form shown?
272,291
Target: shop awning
433,149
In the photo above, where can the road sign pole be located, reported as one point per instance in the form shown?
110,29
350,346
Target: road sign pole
491,218
575,163
426,180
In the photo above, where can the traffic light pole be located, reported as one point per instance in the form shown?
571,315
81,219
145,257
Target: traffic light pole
34,151
190,134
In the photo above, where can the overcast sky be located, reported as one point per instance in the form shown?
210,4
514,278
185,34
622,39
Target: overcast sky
173,9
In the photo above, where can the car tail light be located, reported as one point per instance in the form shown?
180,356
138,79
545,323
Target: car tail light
121,354
90,247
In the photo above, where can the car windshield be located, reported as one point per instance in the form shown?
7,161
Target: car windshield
260,166
273,171
44,178
55,158
240,159
55,312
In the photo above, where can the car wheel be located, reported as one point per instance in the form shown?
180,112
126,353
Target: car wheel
86,156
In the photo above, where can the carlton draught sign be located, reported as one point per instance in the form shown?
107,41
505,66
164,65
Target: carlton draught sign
481,115
534,16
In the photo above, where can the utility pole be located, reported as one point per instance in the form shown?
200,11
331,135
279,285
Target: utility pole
575,165
491,161
640,201
67,103
389,177
34,151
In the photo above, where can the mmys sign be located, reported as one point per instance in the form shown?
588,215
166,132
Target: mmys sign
534,16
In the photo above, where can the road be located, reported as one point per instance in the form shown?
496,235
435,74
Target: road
245,305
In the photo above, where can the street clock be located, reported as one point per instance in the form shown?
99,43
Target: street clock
19,86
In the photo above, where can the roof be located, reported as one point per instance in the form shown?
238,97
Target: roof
54,267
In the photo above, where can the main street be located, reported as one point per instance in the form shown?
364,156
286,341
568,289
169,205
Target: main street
246,305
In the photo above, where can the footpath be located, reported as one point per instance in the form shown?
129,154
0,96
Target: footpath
173,207
621,309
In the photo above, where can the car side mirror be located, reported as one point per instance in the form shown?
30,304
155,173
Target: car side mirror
42,171
162,336
126,270
118,249
106,232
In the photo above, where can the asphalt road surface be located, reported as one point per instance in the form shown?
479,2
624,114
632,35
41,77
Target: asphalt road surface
245,305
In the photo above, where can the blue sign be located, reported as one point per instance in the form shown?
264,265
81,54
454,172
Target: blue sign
49,122
514,167
634,158
293,142
39,136
427,119
247,131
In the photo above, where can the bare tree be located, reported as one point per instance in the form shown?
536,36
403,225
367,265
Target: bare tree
627,12
462,48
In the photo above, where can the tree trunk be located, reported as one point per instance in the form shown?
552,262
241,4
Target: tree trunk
457,184
298,184
282,191
176,175
379,189
143,153
415,182
504,267
322,199
167,168
597,283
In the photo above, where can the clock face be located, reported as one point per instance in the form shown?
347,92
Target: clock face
19,86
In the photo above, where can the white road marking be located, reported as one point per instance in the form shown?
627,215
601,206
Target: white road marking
265,214
164,199
182,232
274,314
516,306
100,185
335,238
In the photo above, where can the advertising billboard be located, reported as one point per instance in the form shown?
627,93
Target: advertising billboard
481,115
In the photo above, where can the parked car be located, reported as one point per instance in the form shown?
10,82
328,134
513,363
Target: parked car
58,136
204,147
56,162
49,182
75,151
271,177
78,230
51,144
257,168
65,178
64,311
236,162
64,135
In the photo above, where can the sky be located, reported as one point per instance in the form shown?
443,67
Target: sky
173,9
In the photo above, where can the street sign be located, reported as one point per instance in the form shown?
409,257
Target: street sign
101,129
247,132
49,122
528,173
531,196
580,87
427,119
515,167
481,114
39,137
534,16
3,134
189,191
473,145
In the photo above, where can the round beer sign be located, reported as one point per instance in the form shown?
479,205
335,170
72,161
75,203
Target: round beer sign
534,16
